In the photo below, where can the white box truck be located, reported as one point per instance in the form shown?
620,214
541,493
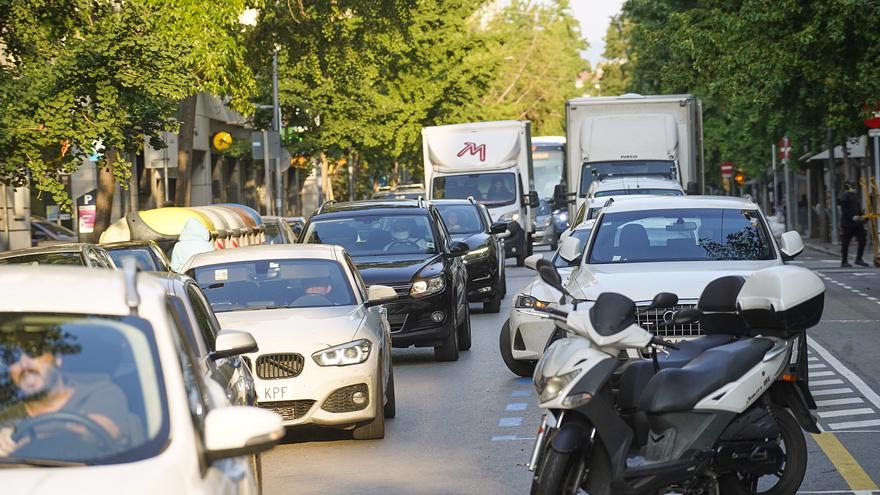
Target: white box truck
635,135
491,162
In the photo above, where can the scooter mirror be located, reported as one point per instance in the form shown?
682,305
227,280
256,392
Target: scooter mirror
687,316
662,300
550,275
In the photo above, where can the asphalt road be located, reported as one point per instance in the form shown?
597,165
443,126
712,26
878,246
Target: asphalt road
467,427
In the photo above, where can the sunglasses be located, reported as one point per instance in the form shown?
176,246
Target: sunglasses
14,354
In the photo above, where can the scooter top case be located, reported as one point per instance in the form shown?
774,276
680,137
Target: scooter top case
781,301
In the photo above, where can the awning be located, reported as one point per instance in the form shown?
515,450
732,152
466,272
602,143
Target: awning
855,149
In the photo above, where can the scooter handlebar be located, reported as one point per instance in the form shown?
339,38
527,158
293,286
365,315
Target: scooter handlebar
663,343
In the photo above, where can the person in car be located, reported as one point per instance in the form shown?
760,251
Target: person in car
405,232
39,388
498,191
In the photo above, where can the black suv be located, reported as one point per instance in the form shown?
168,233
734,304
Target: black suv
469,222
404,244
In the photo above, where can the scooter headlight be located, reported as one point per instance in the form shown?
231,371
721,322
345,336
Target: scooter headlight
549,387
524,301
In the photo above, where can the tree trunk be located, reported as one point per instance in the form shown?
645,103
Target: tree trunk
106,188
185,150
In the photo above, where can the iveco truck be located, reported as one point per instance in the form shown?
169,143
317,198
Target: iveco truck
491,162
634,135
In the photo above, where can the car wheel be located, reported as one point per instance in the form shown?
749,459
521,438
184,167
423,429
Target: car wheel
529,246
464,330
374,430
554,244
521,257
494,305
448,350
503,282
523,368
390,404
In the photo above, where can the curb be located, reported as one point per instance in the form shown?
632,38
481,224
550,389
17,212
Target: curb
822,248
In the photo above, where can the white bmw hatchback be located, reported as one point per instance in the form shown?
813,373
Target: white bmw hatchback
324,339
101,393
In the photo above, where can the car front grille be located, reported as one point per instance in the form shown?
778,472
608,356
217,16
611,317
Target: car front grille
340,401
655,318
401,289
397,321
275,366
289,409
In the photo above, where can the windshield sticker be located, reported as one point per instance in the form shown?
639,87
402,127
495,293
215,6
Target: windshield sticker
430,245
221,274
615,258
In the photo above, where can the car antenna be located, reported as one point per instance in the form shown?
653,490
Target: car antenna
132,298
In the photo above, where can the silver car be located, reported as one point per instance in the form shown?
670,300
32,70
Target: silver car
324,341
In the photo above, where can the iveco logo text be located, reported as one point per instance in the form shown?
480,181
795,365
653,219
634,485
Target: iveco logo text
474,149
628,157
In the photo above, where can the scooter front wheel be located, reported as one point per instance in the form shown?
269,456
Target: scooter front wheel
556,473
790,475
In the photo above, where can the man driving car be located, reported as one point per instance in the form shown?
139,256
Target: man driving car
404,232
35,389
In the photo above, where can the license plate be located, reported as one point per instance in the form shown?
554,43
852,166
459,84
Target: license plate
277,392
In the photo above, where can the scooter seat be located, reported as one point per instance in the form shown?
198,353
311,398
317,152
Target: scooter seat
638,373
679,389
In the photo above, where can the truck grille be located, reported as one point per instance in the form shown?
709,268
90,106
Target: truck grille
652,320
397,321
289,409
274,366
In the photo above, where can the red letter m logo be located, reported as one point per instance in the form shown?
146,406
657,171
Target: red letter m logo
473,149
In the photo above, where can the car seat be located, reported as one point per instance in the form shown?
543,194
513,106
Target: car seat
633,242
377,239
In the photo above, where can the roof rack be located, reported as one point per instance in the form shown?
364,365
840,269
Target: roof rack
325,203
608,203
749,198
472,200
600,175
422,203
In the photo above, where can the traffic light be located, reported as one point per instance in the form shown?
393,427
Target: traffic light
740,178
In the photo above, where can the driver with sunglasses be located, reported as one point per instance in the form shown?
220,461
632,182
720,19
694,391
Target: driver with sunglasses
32,386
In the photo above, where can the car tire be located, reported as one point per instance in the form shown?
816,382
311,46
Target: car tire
529,246
374,430
464,330
494,305
448,350
519,367
391,403
554,244
521,257
503,283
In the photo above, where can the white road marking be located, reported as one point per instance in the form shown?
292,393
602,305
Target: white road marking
510,438
839,402
510,422
822,373
831,391
516,406
819,383
854,424
846,412
862,387
817,366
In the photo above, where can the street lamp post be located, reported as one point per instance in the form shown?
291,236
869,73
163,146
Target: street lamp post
276,126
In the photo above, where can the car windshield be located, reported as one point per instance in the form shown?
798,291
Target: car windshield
63,258
543,208
273,233
80,389
580,234
461,219
140,255
642,168
687,234
638,190
273,284
374,235
56,230
490,189
548,165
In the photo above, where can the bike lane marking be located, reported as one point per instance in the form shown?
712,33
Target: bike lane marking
851,471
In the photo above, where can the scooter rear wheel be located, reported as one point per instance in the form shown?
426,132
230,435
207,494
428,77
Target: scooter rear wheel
790,476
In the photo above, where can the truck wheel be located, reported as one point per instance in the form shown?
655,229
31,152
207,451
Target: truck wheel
523,368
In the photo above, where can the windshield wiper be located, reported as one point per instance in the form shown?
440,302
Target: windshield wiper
37,462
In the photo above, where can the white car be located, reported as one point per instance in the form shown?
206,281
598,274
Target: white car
122,403
524,335
324,339
601,191
641,246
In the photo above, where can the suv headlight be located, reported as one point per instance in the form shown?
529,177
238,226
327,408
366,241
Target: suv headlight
546,222
476,254
550,387
355,352
510,217
528,302
427,286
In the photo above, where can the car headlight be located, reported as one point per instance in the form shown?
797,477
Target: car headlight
355,352
476,254
550,387
562,217
546,222
528,302
510,217
427,286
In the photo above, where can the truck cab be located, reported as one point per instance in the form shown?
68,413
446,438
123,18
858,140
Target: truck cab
490,162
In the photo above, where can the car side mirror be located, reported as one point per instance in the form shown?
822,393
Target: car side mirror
532,199
531,262
560,196
570,250
458,249
498,228
380,294
233,431
233,343
791,245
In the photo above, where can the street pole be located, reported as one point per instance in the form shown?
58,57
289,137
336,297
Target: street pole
775,180
276,126
831,186
787,185
267,175
876,134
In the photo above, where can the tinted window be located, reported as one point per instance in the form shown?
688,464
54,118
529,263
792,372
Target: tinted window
680,235
582,235
73,258
494,189
272,284
543,208
141,256
371,235
274,234
548,164
56,231
107,367
204,318
636,167
461,219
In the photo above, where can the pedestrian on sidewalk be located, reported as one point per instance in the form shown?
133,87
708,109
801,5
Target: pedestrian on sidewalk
852,224
194,239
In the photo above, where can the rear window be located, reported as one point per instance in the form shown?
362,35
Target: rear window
72,258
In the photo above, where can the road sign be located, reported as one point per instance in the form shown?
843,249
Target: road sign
784,148
222,141
86,211
727,170
257,144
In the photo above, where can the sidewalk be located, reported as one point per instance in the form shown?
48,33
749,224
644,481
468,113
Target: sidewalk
824,247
